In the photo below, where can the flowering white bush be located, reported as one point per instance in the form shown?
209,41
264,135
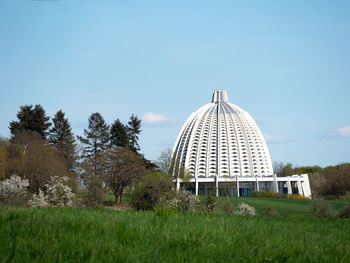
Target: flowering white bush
245,209
14,190
184,201
39,199
56,194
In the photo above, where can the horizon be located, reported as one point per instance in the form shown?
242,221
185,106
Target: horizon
287,65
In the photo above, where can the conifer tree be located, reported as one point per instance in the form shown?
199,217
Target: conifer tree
62,138
31,119
96,138
95,143
134,129
119,134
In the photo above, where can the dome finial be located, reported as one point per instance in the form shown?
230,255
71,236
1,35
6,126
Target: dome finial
219,96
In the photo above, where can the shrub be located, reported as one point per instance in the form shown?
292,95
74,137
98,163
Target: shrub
270,211
322,210
344,212
39,200
211,203
56,194
245,209
13,191
184,201
228,207
150,190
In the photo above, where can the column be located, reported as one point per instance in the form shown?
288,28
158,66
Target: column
275,184
217,185
300,189
257,183
178,184
237,180
196,185
289,186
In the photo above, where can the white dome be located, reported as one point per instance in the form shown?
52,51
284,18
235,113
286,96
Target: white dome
221,139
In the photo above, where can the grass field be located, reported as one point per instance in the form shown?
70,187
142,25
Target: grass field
106,235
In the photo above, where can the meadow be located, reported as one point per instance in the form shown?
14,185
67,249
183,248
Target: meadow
111,235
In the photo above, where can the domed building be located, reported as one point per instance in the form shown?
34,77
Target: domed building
220,148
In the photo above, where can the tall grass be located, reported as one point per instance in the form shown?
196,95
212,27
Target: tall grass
104,235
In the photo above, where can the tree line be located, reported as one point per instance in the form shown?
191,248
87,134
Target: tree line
327,182
105,158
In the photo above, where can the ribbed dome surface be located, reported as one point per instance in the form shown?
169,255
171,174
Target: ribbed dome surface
221,139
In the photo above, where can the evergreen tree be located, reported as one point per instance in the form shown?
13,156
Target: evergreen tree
96,141
134,129
62,138
119,134
31,119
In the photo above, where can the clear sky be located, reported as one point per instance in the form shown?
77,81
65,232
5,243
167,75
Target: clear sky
285,62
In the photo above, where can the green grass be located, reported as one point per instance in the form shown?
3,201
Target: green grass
105,235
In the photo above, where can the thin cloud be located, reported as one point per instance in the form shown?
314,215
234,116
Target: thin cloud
276,139
155,118
342,132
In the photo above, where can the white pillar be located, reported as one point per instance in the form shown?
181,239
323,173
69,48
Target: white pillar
196,186
300,190
275,184
289,186
237,186
178,184
257,183
217,185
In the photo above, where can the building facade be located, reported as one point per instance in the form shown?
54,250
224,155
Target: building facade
220,148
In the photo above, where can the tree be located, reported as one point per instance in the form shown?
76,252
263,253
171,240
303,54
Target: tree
282,169
96,140
31,119
134,129
151,189
124,167
3,158
119,134
62,138
95,143
31,158
164,160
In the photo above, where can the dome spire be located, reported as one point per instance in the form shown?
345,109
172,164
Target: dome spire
219,96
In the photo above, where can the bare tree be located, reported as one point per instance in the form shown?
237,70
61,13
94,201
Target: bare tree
164,159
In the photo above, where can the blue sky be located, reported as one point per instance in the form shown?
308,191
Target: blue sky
285,62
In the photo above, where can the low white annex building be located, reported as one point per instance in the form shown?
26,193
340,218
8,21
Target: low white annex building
224,151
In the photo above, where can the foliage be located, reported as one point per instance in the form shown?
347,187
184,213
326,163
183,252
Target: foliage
134,129
150,190
119,134
210,203
245,209
228,207
55,193
3,158
31,119
270,211
14,190
282,169
164,212
31,158
277,195
344,212
123,168
39,200
164,159
337,180
62,138
321,210
184,201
